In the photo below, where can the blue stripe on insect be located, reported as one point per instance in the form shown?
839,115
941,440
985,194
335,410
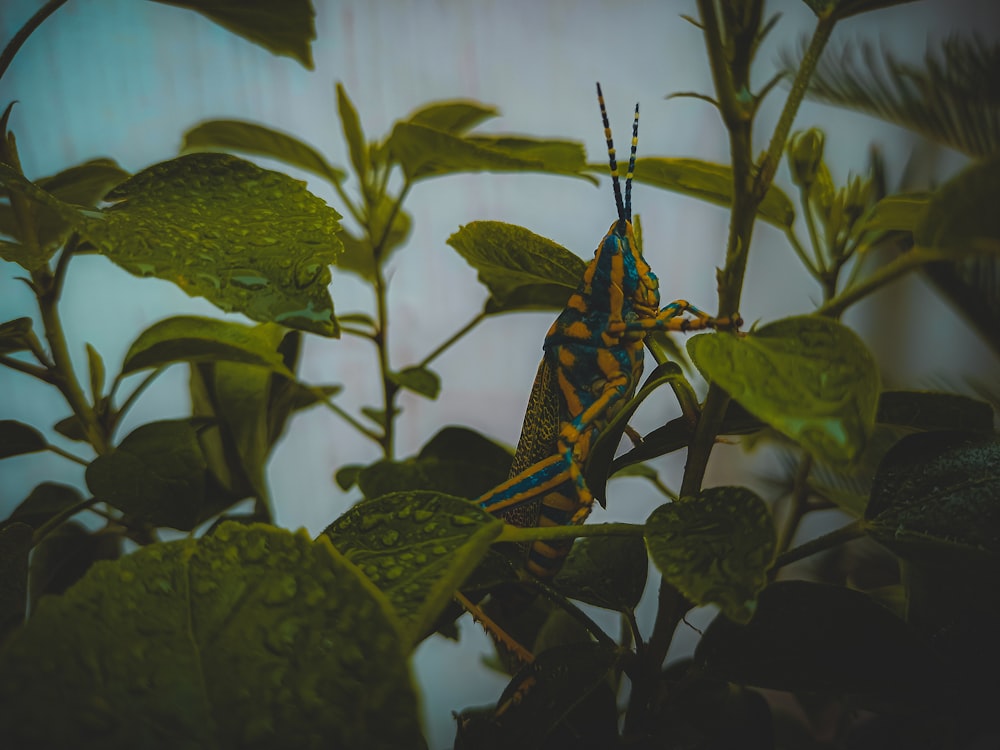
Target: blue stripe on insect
591,364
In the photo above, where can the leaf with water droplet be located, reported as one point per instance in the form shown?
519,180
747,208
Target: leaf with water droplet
809,377
715,548
418,570
222,228
607,572
934,498
198,629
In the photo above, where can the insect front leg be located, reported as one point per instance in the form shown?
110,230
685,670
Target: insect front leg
670,318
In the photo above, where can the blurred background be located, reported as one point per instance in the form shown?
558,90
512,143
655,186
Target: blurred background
125,80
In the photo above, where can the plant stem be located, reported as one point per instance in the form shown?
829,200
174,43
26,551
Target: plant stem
571,609
835,538
532,533
133,396
747,194
821,35
452,339
48,289
671,608
381,337
360,427
800,251
799,495
66,454
27,368
7,56
49,526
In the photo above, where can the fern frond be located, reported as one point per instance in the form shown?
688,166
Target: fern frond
953,98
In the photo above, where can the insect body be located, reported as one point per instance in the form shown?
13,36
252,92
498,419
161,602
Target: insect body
592,362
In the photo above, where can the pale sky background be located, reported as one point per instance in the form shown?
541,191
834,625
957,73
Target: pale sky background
125,79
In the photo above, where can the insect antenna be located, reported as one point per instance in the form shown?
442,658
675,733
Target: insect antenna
631,164
615,183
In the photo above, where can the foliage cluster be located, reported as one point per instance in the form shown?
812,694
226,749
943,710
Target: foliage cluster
247,635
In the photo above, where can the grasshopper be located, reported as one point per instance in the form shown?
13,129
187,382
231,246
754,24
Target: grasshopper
593,356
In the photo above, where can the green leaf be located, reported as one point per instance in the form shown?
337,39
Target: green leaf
845,8
900,213
417,547
17,438
347,476
63,556
522,270
962,213
156,474
559,157
250,637
608,572
44,502
420,380
455,117
85,184
815,637
715,548
925,410
287,28
247,239
14,335
709,182
935,495
597,470
95,365
241,398
15,546
46,212
809,377
187,338
375,415
70,427
251,138
677,434
354,136
456,461
423,152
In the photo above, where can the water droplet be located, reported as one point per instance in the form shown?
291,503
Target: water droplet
390,537
282,590
439,549
370,522
462,520
248,279
308,271
254,547
422,515
396,571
